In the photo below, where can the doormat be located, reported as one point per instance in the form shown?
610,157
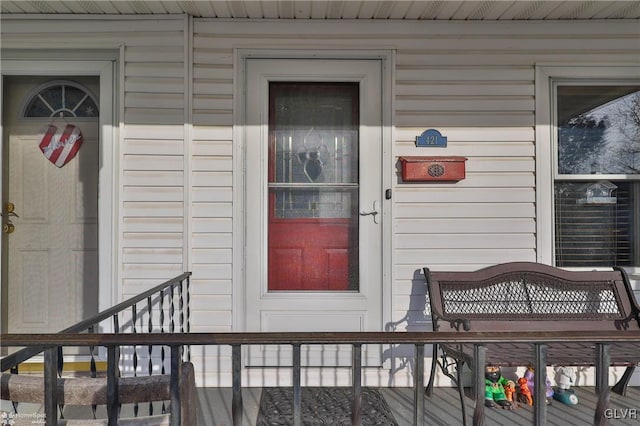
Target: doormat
322,406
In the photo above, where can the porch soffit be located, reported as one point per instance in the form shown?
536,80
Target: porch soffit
350,9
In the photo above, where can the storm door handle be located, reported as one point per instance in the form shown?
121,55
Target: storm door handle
373,213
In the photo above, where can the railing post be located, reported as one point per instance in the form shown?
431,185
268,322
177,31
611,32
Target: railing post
297,390
480,359
113,402
150,347
176,404
93,368
236,383
51,386
418,386
188,330
603,360
540,385
134,330
356,374
172,310
60,369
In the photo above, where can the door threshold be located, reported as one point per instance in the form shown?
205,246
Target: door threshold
71,368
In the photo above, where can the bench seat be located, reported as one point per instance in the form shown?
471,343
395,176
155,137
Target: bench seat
532,297
558,354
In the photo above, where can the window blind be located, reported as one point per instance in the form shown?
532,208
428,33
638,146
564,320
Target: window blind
595,234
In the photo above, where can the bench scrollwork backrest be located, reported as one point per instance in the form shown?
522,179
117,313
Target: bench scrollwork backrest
526,291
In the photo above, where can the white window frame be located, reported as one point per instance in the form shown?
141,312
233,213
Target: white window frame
547,76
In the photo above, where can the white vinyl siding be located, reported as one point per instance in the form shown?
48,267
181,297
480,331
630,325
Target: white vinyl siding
151,110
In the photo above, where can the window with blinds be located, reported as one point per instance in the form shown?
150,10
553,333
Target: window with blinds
596,232
597,184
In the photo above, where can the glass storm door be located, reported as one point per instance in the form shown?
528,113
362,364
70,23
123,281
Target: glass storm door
313,186
313,183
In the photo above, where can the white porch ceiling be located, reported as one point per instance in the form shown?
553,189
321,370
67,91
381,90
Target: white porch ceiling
350,9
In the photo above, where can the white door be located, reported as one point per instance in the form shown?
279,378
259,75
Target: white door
313,196
50,241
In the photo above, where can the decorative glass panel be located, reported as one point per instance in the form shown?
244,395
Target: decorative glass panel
314,145
313,203
61,99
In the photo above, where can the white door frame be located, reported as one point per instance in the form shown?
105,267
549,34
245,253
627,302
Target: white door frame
386,59
105,70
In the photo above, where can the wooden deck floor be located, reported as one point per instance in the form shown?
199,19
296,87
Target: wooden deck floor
214,408
441,409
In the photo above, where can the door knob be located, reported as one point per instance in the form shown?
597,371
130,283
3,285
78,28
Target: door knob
9,211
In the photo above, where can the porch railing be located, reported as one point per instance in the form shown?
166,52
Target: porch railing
164,308
176,341
163,297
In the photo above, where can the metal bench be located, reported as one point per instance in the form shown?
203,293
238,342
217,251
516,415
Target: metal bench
531,297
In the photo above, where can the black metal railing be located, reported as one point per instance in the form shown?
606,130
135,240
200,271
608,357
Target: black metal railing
602,343
155,296
164,308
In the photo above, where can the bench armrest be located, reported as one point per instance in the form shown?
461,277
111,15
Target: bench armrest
635,309
454,322
436,313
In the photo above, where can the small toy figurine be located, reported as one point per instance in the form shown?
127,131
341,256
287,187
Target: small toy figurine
524,393
494,388
565,377
510,391
566,397
529,375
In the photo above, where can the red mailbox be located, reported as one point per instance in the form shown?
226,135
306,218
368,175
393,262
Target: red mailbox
430,169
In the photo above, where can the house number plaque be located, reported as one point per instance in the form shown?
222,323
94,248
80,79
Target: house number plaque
431,138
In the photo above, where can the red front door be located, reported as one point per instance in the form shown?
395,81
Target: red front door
313,186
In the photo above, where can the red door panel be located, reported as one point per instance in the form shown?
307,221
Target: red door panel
309,256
